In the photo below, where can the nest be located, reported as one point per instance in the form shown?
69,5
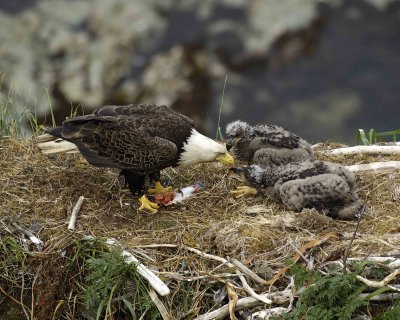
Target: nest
39,191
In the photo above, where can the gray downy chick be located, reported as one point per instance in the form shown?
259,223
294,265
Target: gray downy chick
266,145
325,186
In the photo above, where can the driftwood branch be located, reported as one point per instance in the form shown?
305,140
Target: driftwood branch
390,262
160,306
250,290
74,214
35,240
382,283
375,166
248,302
266,314
246,271
153,280
373,149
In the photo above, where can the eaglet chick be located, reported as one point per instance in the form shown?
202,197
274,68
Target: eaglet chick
322,185
265,145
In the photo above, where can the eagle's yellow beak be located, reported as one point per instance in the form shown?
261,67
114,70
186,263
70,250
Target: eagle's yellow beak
226,159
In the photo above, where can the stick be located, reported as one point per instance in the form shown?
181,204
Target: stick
154,281
209,256
246,271
346,254
382,283
248,302
35,240
393,262
250,290
266,314
388,150
375,166
382,296
72,221
160,306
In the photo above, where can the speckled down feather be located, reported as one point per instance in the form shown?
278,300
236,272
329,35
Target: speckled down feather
322,185
266,145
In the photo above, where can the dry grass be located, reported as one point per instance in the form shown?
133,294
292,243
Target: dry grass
39,192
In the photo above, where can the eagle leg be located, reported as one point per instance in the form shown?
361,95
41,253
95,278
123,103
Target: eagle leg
244,191
134,182
146,204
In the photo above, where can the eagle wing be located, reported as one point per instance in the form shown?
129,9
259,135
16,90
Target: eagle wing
141,109
129,137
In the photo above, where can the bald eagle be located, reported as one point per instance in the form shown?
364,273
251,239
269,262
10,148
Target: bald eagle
265,144
140,140
325,186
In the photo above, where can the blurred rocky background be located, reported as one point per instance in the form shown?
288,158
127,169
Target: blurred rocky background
320,68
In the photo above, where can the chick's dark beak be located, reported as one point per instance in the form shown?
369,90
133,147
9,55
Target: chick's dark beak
237,170
229,144
238,173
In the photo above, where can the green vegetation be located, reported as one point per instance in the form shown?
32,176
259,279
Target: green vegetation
375,136
102,284
333,297
113,284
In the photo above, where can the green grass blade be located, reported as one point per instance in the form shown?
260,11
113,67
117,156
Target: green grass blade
218,135
362,137
131,308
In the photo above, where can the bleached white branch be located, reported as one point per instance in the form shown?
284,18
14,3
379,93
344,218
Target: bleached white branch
382,283
246,270
74,214
266,314
154,281
373,149
160,306
375,166
250,290
390,262
35,240
248,302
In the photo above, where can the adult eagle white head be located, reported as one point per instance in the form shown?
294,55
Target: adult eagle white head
140,140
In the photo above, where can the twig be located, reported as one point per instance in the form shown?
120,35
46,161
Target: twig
35,240
160,306
382,296
154,281
209,256
387,150
266,314
246,270
382,283
250,290
33,296
16,301
375,166
74,214
290,242
248,302
393,262
346,254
